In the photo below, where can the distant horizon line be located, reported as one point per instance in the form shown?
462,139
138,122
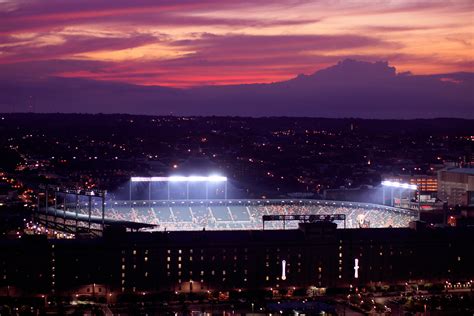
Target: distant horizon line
237,116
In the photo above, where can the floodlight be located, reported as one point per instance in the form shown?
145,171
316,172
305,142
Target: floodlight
395,184
212,178
178,179
215,178
140,179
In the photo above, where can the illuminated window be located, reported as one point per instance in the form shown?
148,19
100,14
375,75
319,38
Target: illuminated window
146,259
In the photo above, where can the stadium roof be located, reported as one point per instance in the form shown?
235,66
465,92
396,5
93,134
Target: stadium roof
97,219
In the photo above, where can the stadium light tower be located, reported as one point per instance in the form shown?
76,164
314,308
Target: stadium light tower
396,185
185,179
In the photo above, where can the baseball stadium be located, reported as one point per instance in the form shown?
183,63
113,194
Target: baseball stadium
75,211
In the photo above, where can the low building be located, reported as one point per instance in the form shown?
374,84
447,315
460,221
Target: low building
315,256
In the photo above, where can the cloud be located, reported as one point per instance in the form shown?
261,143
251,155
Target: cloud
33,16
192,42
43,47
233,58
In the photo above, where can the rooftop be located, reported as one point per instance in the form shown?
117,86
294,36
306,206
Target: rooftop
469,171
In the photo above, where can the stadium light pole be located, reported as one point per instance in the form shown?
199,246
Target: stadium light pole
130,195
55,206
187,179
77,211
64,208
225,190
46,204
187,190
149,194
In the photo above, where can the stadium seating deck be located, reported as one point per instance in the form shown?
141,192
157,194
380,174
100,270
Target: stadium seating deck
231,214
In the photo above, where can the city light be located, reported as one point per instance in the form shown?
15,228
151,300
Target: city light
395,184
211,178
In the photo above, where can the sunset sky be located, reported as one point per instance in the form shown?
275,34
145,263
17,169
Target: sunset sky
215,42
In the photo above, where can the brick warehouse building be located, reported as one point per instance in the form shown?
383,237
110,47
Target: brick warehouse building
317,255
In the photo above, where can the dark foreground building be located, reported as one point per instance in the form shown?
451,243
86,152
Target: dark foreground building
315,257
